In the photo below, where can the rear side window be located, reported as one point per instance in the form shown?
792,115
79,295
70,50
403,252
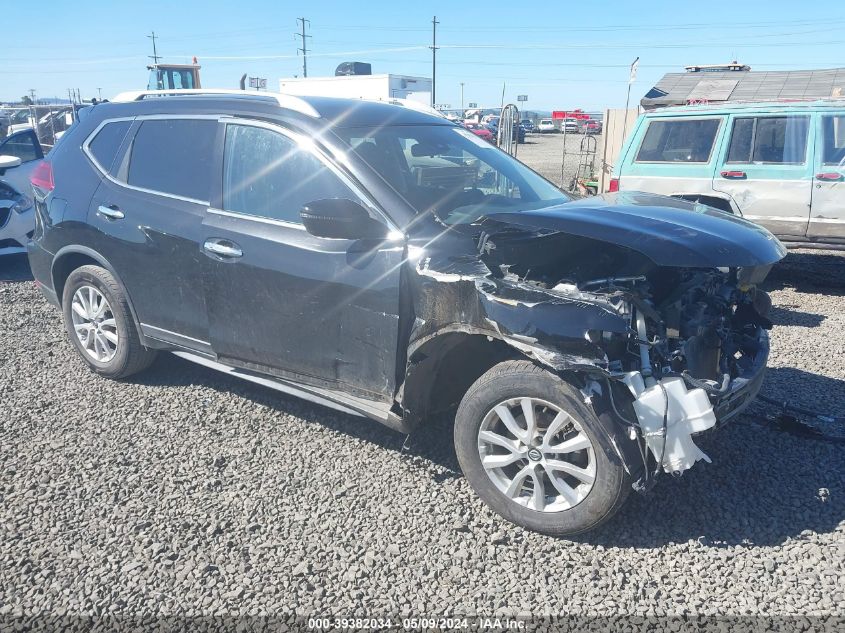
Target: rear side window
771,140
267,174
678,141
104,146
833,140
173,156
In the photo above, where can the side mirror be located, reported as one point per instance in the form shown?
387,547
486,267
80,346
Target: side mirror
340,219
7,162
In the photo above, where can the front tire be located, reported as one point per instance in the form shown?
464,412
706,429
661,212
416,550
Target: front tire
536,453
100,325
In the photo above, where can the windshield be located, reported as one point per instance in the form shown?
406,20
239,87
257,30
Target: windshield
450,172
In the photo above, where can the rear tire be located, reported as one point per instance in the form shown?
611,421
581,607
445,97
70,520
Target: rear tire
100,324
581,480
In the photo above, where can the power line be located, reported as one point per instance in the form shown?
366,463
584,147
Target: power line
606,28
304,48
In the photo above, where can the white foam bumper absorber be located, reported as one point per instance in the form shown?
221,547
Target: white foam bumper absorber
689,411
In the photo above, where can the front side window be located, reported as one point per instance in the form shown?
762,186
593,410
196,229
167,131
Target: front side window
173,156
267,174
449,171
104,146
769,140
678,141
833,140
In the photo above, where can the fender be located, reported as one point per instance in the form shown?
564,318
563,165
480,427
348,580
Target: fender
78,249
724,203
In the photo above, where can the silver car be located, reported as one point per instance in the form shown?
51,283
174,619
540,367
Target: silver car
20,154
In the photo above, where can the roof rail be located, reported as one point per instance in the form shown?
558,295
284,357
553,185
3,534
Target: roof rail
286,101
414,105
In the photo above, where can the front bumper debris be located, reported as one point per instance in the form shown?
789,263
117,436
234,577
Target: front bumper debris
669,414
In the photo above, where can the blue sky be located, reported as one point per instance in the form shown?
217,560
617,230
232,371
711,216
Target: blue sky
562,55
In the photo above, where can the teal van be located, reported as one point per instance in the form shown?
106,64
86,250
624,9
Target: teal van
781,165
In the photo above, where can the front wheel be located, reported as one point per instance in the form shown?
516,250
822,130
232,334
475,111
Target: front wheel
536,453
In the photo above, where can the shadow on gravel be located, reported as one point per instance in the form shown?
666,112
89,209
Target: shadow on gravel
14,268
785,315
432,442
808,271
763,487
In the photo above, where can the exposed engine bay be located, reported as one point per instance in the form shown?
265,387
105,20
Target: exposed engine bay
673,349
694,336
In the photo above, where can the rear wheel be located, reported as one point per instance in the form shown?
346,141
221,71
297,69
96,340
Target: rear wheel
536,453
100,325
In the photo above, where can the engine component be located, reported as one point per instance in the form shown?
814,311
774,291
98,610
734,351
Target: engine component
685,412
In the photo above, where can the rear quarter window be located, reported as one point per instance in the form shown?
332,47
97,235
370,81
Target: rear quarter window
174,157
678,141
103,147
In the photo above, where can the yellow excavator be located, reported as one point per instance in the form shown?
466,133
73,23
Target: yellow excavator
174,76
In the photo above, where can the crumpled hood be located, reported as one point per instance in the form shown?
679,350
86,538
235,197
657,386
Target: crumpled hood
670,232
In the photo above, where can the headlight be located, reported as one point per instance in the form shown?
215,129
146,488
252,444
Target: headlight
23,204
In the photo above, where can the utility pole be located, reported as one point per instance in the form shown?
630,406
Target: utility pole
462,98
32,111
154,56
433,47
99,94
304,48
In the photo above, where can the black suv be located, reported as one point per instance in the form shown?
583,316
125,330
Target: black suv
378,259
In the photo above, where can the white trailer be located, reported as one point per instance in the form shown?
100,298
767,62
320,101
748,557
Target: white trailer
370,87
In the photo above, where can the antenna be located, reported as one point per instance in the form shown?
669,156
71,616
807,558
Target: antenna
304,48
155,57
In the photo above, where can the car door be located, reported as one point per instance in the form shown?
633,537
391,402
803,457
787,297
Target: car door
147,214
320,312
23,145
766,170
827,213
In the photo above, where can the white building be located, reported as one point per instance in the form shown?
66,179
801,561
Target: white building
371,87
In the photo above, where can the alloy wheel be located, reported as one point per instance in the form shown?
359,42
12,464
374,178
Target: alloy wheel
537,454
94,323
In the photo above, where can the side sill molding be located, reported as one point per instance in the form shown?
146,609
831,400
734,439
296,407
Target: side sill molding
278,385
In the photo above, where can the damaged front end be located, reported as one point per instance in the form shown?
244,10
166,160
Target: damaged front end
668,350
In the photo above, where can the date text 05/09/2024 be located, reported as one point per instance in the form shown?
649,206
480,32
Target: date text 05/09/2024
417,624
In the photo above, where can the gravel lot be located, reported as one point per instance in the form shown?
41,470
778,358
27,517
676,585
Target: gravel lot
184,492
545,154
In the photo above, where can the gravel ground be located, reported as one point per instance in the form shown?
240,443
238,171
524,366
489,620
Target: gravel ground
545,154
184,492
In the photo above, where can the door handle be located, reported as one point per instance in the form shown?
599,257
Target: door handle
734,175
111,213
223,248
829,176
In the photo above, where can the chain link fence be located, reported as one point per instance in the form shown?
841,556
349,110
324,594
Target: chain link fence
48,121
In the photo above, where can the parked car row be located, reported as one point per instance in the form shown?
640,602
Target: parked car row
489,130
570,125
